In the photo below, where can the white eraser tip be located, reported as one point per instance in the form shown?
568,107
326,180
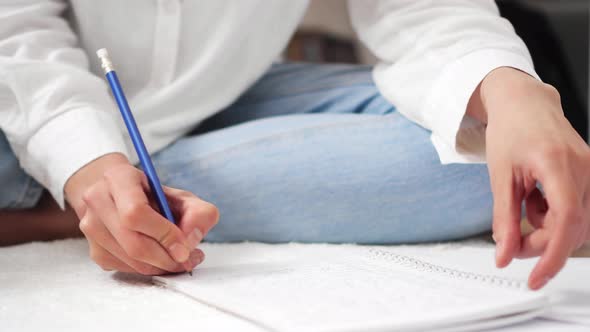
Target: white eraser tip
102,53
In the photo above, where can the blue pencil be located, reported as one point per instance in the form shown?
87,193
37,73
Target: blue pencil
142,153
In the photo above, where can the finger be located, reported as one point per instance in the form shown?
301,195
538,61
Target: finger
534,244
106,260
96,232
551,262
564,220
137,246
135,213
536,208
197,217
507,215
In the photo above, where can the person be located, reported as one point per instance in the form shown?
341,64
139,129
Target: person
284,152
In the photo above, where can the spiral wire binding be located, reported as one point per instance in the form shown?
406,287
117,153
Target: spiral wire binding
419,265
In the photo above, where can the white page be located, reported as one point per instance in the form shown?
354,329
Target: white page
569,291
340,288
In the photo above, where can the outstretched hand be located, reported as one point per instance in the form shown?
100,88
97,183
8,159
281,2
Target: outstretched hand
534,155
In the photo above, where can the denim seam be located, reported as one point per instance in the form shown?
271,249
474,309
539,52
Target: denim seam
290,93
28,192
16,202
34,192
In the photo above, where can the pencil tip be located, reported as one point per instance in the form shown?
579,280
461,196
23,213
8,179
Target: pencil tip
190,273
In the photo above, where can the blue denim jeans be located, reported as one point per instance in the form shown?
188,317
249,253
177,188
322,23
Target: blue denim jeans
313,153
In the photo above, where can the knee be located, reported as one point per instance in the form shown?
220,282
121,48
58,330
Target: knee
452,203
470,202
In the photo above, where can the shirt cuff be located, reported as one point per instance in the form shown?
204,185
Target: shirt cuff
457,137
67,143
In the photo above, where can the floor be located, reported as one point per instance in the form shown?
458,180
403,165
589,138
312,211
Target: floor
54,286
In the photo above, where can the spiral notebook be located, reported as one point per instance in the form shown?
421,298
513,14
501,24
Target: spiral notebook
352,288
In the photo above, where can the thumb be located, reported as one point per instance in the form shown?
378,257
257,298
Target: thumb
196,216
173,240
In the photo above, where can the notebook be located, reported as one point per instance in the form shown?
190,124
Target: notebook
352,288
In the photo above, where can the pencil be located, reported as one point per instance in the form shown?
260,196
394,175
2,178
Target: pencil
142,153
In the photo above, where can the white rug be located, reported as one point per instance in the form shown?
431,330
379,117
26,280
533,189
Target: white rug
56,287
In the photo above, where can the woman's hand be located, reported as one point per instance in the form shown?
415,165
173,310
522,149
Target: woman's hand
124,230
529,141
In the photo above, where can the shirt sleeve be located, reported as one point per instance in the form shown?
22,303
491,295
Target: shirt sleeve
433,55
56,115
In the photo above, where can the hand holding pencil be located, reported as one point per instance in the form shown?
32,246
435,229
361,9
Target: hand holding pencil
133,223
126,233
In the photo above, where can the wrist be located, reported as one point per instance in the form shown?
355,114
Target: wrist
89,175
500,85
506,80
507,89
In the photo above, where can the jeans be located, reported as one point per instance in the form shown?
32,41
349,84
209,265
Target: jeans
313,153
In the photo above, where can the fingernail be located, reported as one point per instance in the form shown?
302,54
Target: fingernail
195,238
196,257
536,284
179,252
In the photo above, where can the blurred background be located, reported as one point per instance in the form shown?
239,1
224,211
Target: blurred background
556,32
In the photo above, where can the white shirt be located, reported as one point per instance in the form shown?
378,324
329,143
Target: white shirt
180,61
